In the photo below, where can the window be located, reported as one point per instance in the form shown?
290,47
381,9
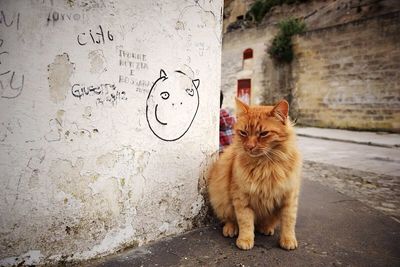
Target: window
248,53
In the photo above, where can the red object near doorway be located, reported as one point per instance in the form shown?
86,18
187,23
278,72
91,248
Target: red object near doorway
244,90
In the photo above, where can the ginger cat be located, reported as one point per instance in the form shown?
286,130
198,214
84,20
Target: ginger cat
256,181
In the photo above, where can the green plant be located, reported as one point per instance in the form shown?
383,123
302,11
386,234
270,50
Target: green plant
281,47
258,10
261,7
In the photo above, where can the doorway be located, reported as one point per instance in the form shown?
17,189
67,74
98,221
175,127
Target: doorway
244,90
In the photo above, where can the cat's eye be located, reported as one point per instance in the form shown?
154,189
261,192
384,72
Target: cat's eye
190,91
243,133
164,95
264,134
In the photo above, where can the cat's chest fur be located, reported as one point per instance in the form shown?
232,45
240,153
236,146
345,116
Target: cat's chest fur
265,186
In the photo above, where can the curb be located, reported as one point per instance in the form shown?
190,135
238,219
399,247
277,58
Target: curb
348,141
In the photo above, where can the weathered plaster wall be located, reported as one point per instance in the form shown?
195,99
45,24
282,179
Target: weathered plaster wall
348,76
102,142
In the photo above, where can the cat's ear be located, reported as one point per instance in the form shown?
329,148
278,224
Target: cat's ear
196,83
163,74
241,108
281,111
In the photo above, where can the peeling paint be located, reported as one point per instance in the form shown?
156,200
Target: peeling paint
88,113
139,159
55,131
30,258
122,182
66,175
60,115
97,62
60,72
108,160
8,128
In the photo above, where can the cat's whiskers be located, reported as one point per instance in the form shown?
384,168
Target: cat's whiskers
279,155
269,157
262,152
274,155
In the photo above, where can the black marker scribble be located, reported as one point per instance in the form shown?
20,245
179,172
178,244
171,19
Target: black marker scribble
9,22
11,83
176,100
106,93
163,123
55,16
96,37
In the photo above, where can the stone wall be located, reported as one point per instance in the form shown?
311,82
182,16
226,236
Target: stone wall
107,123
234,9
348,76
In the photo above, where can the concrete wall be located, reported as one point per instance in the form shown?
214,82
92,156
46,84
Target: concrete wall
103,144
348,76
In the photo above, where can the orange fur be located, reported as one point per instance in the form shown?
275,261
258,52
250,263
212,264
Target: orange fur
256,181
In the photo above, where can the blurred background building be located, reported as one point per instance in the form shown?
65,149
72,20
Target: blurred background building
345,71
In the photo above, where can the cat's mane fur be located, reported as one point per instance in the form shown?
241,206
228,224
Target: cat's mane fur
255,183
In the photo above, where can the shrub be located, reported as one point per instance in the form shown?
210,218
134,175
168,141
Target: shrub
281,47
261,7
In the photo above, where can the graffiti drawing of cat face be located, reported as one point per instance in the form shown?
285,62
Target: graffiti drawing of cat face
172,105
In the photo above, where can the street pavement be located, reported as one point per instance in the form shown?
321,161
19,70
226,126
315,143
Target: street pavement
382,139
369,173
348,216
355,156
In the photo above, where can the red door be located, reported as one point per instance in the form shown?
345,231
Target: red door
243,91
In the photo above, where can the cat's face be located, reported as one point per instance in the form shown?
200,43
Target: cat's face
260,128
172,105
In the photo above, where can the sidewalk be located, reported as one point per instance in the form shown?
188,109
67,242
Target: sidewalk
332,230
364,151
381,139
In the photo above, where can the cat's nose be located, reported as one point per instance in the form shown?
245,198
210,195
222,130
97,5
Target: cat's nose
250,146
251,143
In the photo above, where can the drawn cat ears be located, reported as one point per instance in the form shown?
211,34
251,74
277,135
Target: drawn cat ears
196,83
164,76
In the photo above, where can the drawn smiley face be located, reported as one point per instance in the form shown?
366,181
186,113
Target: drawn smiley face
172,105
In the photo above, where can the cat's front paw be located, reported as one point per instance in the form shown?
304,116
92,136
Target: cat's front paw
288,242
245,243
266,230
230,229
